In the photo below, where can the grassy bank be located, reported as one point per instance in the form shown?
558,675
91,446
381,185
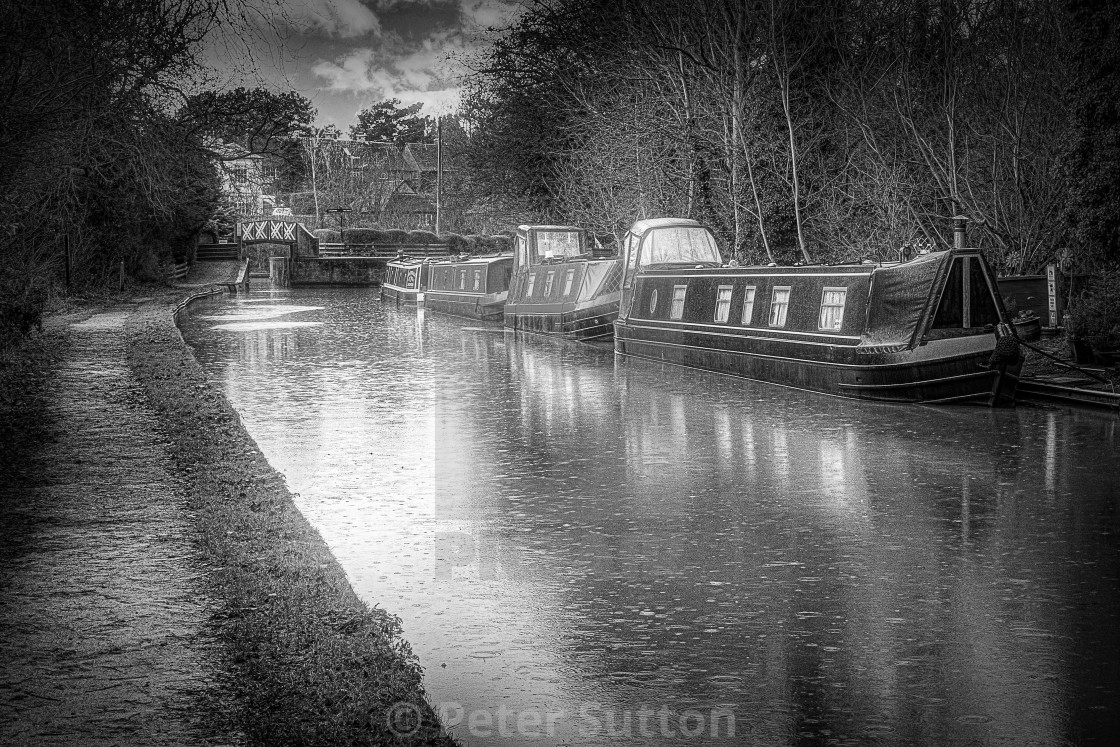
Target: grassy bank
310,663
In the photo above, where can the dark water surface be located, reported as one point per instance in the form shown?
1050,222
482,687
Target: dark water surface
589,551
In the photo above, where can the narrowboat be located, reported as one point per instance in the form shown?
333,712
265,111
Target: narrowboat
405,279
474,287
919,331
558,287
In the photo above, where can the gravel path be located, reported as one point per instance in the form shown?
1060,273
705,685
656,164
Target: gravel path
101,623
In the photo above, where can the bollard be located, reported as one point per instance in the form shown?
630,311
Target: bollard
278,271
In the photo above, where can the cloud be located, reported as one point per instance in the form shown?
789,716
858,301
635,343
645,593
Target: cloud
420,72
343,18
486,14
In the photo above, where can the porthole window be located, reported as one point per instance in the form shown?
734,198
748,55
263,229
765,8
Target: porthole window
653,301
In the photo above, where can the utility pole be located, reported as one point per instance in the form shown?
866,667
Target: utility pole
439,168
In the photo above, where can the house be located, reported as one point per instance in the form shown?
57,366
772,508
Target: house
247,181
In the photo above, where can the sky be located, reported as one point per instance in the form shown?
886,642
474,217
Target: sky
344,55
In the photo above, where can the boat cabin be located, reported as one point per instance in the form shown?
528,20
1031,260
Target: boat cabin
843,328
475,287
405,279
559,287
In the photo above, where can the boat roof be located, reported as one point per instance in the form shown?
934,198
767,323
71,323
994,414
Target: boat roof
481,260
642,226
527,228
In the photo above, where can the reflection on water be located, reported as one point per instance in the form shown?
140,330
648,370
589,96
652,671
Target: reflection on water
619,552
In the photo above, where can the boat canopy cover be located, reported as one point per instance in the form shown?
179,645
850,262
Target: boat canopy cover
602,278
901,302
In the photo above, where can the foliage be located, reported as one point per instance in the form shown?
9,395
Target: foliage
1095,316
456,243
88,149
796,129
389,122
366,236
256,120
1093,171
420,238
23,293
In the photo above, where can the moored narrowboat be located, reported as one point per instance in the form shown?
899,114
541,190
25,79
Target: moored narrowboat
474,287
405,279
559,287
918,331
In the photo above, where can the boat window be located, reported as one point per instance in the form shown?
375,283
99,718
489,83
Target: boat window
832,308
462,279
556,244
569,276
676,311
477,279
653,301
532,282
679,245
548,283
723,303
779,306
748,304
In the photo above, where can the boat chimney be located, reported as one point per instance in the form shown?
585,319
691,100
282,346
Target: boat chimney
958,231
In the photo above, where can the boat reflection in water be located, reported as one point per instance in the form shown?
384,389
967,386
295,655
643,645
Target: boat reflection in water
564,534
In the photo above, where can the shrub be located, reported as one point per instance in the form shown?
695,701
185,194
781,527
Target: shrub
395,236
327,235
475,244
419,238
1095,316
495,244
23,294
365,236
456,243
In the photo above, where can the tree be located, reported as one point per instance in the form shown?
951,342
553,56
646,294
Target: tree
390,122
1093,172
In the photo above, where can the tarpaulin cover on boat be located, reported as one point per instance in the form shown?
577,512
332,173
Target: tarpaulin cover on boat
902,298
602,278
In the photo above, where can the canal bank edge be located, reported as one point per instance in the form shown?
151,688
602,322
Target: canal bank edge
309,662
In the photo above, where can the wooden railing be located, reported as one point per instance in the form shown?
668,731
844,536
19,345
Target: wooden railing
178,271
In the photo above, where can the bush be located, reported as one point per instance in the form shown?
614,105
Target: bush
396,236
23,294
494,244
420,238
365,236
327,235
456,243
1094,317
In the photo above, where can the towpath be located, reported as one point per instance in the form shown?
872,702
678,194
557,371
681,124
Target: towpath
102,606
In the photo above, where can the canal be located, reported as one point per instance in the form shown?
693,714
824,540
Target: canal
588,551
